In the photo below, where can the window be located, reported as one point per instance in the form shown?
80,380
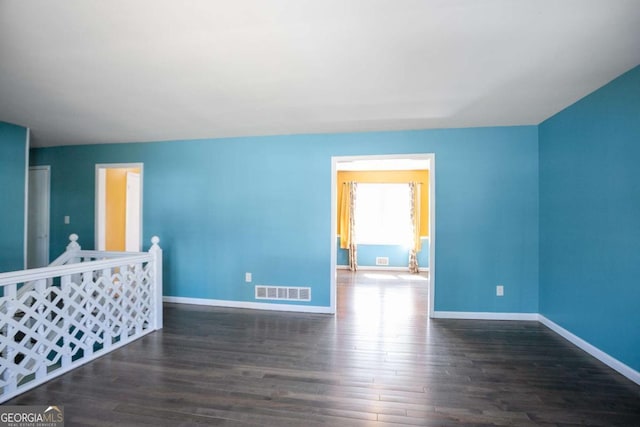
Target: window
382,214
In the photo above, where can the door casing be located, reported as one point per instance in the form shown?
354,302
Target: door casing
432,218
38,211
100,202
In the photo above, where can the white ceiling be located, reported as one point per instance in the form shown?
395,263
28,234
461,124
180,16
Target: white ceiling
93,71
376,164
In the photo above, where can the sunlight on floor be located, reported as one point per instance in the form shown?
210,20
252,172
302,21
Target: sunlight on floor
401,276
380,276
413,277
383,312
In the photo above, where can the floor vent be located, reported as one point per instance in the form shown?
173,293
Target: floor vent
283,293
382,260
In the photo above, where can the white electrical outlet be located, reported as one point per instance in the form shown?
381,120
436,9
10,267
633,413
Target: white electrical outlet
67,219
500,290
247,277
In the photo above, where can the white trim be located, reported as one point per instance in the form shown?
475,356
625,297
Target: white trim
24,276
333,281
27,143
249,304
101,199
469,315
605,358
99,166
46,168
334,209
432,235
133,202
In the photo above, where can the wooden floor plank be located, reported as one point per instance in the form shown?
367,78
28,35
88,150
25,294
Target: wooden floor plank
380,361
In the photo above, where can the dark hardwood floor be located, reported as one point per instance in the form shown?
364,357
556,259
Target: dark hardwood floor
379,361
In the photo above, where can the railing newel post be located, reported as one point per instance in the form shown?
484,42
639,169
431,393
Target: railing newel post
73,245
156,251
74,248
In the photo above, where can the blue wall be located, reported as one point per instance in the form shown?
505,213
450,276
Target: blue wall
13,140
590,218
398,255
262,204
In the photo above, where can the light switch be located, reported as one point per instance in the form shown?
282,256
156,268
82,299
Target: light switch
67,219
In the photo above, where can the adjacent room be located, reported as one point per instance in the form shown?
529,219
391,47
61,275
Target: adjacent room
286,213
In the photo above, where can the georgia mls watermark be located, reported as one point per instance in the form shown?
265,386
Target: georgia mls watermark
31,416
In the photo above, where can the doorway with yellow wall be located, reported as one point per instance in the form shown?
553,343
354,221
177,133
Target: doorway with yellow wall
389,170
119,207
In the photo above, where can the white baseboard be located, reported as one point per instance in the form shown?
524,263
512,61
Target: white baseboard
605,358
249,304
484,315
608,360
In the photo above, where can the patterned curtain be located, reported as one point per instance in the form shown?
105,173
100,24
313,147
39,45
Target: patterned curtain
353,248
416,243
347,223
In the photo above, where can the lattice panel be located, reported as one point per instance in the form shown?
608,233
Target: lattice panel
51,327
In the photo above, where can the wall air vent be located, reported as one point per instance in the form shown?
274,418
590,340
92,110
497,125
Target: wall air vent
283,293
382,260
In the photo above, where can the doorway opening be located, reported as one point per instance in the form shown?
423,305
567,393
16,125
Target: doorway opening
386,170
119,207
38,196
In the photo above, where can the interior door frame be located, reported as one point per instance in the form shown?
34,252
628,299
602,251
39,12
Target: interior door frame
46,168
129,207
432,218
25,230
102,167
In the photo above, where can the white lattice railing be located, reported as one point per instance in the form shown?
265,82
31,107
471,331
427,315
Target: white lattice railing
85,304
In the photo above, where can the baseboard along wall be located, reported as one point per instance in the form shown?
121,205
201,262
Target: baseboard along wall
250,305
485,315
594,351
